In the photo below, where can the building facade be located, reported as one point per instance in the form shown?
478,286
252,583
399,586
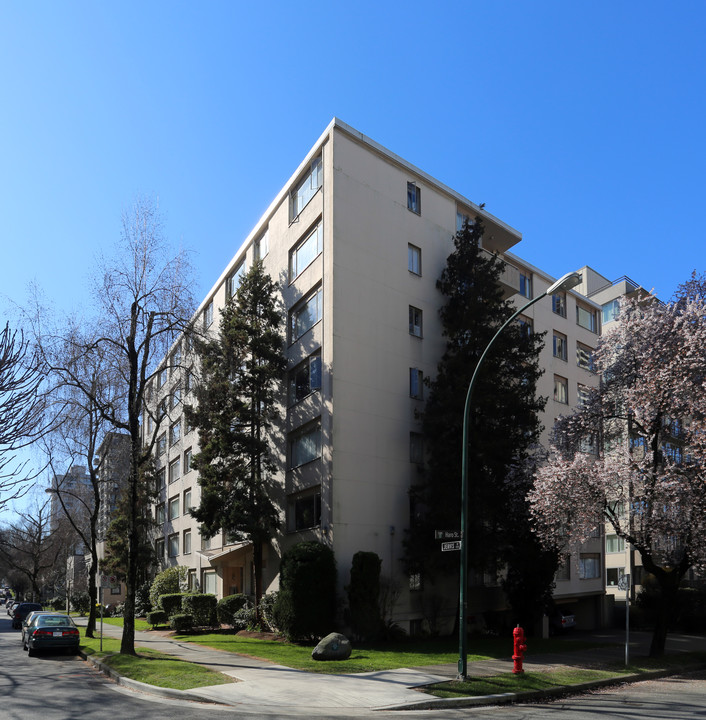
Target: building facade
357,239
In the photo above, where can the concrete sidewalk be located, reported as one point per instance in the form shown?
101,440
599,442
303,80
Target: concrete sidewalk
266,687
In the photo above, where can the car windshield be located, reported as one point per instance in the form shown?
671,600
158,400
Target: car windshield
53,620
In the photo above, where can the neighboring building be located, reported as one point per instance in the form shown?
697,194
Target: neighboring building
71,495
113,462
357,239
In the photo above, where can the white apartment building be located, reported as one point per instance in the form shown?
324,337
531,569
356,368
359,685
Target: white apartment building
357,239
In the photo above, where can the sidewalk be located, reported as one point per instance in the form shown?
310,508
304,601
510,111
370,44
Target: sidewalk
266,687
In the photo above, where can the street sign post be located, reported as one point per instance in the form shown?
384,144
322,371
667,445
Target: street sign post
624,584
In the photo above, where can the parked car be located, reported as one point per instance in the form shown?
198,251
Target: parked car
9,606
20,612
29,618
561,620
51,631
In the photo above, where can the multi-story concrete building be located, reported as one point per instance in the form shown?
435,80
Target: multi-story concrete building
357,239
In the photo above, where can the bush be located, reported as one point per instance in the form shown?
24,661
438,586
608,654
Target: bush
202,608
171,603
157,617
306,602
228,606
244,619
267,612
81,602
364,595
56,603
169,581
183,622
143,604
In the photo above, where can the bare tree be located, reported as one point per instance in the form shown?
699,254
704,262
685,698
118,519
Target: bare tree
20,411
143,301
33,545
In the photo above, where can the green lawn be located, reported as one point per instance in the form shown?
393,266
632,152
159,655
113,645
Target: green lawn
151,667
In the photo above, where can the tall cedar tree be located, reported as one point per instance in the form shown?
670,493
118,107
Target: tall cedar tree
503,435
236,413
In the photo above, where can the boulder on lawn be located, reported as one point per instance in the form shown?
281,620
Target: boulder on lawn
333,647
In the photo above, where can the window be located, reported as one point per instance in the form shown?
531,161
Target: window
561,389
209,582
159,514
307,188
559,304
583,395
160,479
415,581
304,511
173,545
526,325
563,571
174,470
305,252
586,318
610,311
186,543
162,444
187,500
560,346
176,396
188,380
187,460
414,259
262,245
584,356
463,219
414,198
415,321
305,446
416,383
176,358
150,424
234,279
208,315
162,377
614,544
589,566
305,378
526,284
305,315
588,445
174,507
416,448
175,432
159,549
613,575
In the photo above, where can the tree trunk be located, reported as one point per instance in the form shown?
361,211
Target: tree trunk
666,605
257,572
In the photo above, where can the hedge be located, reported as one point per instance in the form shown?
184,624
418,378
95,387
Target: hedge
228,606
202,607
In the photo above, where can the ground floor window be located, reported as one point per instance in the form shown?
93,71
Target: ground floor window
209,582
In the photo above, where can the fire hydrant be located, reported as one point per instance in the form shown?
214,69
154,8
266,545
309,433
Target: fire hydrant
518,635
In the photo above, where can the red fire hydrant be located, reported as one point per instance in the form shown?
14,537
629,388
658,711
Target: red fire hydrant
518,635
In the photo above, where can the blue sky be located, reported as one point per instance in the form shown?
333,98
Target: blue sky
579,124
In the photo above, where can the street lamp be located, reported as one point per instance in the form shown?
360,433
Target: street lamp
568,281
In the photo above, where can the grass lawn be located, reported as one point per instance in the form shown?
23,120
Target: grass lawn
151,667
369,658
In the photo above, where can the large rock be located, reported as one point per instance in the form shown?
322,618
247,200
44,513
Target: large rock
333,647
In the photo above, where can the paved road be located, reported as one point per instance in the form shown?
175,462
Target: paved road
60,687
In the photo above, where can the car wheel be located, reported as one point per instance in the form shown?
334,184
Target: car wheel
31,652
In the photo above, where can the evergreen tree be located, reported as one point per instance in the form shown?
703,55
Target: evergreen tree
504,433
236,410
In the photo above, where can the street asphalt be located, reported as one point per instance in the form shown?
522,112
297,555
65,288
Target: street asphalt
266,687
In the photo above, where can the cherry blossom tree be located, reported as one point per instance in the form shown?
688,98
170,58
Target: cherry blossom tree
634,456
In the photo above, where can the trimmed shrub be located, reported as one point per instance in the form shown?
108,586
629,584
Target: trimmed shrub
228,606
306,603
157,617
183,622
202,607
364,595
244,619
169,581
171,603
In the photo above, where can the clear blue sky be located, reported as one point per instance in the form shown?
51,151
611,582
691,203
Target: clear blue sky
579,124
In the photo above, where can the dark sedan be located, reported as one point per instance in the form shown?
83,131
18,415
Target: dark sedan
20,612
56,631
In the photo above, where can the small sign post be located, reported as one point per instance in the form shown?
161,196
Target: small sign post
624,584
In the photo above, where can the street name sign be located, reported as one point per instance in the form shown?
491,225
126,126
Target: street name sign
447,546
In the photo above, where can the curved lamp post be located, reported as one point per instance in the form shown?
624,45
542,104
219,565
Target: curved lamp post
568,281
